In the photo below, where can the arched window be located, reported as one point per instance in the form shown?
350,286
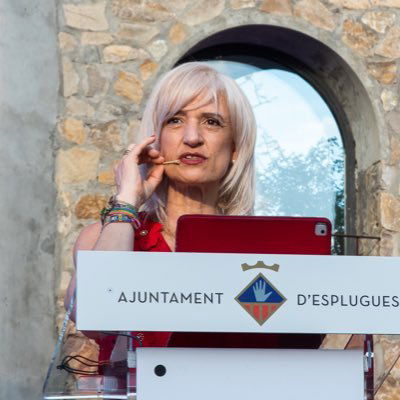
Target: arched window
300,158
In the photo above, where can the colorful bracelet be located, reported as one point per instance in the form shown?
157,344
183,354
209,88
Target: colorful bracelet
121,218
120,211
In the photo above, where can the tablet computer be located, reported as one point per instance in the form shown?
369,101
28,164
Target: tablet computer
258,235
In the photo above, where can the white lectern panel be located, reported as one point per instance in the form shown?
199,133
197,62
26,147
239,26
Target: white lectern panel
238,374
191,292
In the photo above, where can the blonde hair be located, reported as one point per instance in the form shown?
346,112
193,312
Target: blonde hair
176,89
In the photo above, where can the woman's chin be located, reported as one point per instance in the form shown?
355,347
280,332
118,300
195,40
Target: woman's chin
193,179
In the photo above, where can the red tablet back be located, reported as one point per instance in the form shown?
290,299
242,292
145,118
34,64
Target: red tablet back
260,235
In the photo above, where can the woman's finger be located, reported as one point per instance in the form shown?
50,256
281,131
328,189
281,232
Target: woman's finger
154,178
139,148
153,153
147,154
129,149
154,158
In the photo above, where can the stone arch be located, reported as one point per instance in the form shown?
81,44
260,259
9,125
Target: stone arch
341,78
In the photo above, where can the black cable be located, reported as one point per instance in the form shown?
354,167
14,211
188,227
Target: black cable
94,364
75,370
65,365
67,359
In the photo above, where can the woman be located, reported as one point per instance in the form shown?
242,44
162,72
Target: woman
198,159
200,119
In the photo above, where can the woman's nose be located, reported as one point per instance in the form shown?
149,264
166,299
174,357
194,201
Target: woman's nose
192,135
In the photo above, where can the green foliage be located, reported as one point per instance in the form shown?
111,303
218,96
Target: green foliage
302,185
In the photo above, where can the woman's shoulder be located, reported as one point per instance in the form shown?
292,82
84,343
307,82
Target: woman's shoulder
147,238
88,237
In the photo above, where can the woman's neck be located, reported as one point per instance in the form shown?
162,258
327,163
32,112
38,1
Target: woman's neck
183,199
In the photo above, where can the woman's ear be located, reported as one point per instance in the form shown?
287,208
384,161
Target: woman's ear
234,153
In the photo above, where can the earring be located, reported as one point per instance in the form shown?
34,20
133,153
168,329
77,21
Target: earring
233,161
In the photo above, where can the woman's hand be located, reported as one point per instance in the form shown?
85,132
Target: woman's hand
131,188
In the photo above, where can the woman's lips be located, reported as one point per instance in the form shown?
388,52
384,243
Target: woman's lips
192,159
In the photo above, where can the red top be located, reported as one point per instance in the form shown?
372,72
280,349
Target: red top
150,238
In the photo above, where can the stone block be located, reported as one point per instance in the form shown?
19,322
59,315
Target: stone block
67,42
107,177
390,211
390,389
394,151
198,13
70,78
178,4
138,33
390,45
106,136
79,108
64,223
389,99
368,221
389,177
90,205
129,86
76,165
95,82
383,72
283,7
64,282
147,69
158,49
386,3
177,34
73,130
387,245
88,17
351,4
315,12
90,54
239,4
379,21
387,367
119,53
107,112
358,38
133,131
393,119
96,38
136,11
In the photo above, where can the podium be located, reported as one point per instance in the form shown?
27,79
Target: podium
123,293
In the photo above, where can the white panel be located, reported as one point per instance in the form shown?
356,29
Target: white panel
237,374
324,294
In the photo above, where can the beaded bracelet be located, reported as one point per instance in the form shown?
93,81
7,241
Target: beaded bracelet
120,211
121,218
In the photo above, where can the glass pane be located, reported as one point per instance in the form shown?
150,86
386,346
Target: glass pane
299,151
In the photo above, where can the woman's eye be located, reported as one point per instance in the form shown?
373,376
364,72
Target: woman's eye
173,120
214,122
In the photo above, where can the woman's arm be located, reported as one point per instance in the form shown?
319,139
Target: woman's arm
130,188
117,237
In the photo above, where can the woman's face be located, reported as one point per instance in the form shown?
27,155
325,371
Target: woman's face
200,136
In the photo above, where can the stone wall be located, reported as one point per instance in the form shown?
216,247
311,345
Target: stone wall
113,51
